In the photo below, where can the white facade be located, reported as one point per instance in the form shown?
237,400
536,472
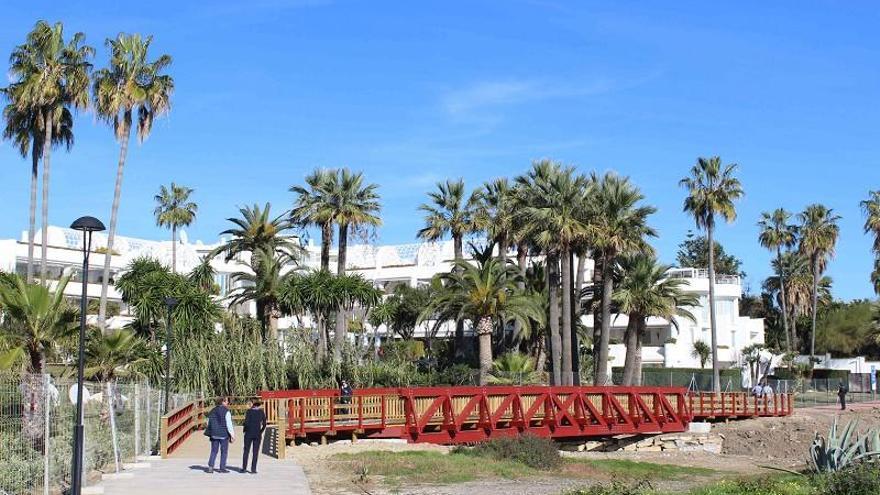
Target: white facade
665,345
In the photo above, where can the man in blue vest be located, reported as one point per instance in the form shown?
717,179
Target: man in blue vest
221,433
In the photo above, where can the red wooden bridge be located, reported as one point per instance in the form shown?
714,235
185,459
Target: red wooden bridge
467,414
450,415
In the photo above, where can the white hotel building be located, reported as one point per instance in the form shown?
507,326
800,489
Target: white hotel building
665,345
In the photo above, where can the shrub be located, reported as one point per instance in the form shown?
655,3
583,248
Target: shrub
863,479
535,452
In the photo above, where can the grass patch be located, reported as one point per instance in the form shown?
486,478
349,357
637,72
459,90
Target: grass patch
635,469
431,467
419,467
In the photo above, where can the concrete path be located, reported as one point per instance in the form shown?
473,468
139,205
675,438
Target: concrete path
185,473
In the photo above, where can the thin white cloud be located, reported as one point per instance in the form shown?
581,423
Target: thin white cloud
494,94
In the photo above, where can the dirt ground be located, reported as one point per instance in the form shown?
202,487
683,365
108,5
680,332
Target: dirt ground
748,445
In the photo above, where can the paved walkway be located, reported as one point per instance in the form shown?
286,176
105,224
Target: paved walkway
185,473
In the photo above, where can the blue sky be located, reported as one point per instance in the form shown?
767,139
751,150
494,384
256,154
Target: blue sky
414,92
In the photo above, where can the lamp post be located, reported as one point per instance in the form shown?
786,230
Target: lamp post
86,225
170,303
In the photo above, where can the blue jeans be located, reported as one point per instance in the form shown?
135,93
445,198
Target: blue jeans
223,445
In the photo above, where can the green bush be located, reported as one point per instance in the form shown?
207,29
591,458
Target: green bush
759,486
535,452
863,479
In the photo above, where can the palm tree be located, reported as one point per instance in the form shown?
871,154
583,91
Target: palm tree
871,206
775,234
645,291
712,190
494,213
173,210
513,368
556,213
620,227
257,231
313,207
263,285
112,354
488,295
24,129
36,319
202,276
354,206
50,76
702,352
130,86
819,232
450,213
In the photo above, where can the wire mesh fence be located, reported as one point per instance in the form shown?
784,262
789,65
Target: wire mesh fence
121,422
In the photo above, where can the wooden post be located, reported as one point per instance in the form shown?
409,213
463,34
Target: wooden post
281,437
163,437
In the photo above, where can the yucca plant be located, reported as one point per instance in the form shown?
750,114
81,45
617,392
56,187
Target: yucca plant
839,452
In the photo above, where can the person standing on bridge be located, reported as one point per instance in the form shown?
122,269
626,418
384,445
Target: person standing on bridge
254,426
221,433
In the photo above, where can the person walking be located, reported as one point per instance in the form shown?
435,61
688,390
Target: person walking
841,394
254,426
345,392
221,433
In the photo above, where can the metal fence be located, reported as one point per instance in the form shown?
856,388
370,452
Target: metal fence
121,422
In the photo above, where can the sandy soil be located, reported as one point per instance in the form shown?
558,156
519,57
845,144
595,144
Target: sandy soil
748,444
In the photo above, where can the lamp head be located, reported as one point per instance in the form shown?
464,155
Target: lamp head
87,224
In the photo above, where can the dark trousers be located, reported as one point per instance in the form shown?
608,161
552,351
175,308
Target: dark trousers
251,443
842,402
221,444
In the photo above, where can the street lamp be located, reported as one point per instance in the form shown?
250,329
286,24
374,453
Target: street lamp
86,225
170,303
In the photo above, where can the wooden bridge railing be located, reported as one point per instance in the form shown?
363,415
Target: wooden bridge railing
709,405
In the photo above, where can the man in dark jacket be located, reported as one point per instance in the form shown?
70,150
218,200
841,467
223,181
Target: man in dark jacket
841,395
221,433
254,426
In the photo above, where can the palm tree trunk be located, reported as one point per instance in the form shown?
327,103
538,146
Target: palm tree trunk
326,240
503,246
174,249
601,377
566,318
114,213
637,371
597,313
47,156
788,340
555,337
322,340
32,213
458,253
272,314
341,317
630,338
484,330
815,310
716,368
575,293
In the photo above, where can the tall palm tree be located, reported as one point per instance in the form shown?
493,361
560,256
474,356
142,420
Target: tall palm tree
494,213
50,77
818,232
36,318
556,214
777,233
487,294
712,190
24,129
354,207
132,85
620,227
312,206
871,206
174,210
646,290
450,212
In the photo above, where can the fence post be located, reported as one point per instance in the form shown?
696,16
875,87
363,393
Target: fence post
281,431
113,436
47,402
137,421
163,437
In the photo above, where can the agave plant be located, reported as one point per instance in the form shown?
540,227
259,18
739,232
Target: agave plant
839,452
